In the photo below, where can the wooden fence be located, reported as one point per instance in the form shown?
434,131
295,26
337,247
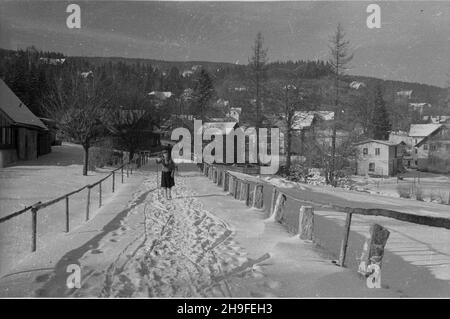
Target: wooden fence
123,170
250,189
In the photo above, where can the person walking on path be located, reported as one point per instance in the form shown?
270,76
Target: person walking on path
167,173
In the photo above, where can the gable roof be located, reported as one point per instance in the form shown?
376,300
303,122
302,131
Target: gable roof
426,138
422,130
388,143
304,119
18,112
224,127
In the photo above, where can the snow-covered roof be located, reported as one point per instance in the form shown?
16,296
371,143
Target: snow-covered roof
161,95
357,85
14,109
224,127
304,119
388,143
407,93
422,130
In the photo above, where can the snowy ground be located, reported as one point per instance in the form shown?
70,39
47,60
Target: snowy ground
180,250
431,186
43,179
203,243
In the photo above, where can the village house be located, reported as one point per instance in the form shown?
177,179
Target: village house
437,119
438,150
377,157
23,136
402,136
226,128
419,154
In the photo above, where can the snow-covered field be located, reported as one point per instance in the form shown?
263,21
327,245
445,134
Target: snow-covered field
43,179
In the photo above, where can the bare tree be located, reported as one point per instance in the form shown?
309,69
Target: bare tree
132,117
78,103
339,60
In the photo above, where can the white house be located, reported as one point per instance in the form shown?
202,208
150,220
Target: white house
377,157
418,132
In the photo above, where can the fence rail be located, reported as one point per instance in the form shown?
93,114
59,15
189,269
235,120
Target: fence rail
127,169
239,187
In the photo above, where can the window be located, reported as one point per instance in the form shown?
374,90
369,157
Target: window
7,137
425,147
365,151
447,147
371,167
377,151
415,150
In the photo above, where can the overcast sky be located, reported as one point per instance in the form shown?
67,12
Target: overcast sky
413,43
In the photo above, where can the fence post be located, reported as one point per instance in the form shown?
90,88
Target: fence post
236,188
113,181
225,181
67,214
247,195
344,243
373,249
33,228
306,223
272,202
241,191
127,170
279,205
88,201
121,171
100,194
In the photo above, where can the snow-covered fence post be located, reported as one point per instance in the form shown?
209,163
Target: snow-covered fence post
279,207
67,214
247,194
237,184
231,185
88,201
113,181
99,194
306,223
344,244
226,181
272,201
219,178
215,175
258,197
34,211
373,249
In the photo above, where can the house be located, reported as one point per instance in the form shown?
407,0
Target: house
419,107
405,94
225,128
52,61
357,85
417,132
235,113
23,136
377,157
160,95
408,150
437,119
438,150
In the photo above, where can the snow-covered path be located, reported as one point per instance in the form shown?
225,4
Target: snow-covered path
179,250
203,243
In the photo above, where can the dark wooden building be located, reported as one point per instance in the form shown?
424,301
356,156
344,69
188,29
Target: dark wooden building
22,135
